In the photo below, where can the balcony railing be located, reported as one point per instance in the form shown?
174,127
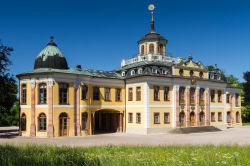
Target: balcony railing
157,57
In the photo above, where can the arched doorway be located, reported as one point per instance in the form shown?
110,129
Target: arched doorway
107,121
192,119
182,119
202,119
63,124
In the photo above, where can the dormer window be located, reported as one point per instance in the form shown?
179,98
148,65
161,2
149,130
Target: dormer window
191,73
201,74
164,72
154,71
140,71
123,74
132,72
181,72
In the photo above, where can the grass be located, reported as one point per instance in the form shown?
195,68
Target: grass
246,124
124,155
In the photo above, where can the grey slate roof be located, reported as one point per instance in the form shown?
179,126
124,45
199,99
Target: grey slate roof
83,72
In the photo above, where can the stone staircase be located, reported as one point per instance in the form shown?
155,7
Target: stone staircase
187,130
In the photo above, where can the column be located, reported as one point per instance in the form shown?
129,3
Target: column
187,101
207,107
77,108
32,114
177,108
50,105
197,113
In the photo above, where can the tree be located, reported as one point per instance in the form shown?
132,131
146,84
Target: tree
8,87
233,81
246,98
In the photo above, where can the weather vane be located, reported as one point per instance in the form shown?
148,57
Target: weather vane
151,8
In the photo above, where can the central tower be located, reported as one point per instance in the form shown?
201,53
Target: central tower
152,43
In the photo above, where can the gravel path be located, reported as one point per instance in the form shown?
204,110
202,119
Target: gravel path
239,136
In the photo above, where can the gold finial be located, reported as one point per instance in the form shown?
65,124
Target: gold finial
151,8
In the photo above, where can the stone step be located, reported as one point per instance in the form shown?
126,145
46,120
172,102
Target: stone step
187,130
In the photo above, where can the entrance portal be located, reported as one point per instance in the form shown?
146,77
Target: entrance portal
63,124
192,119
107,122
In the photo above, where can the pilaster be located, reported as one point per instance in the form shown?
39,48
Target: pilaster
187,101
50,84
33,100
207,107
197,113
77,108
177,102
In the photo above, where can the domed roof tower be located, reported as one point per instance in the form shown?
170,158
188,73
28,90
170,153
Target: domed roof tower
51,57
152,42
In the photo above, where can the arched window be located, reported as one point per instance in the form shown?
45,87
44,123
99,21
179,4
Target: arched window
23,122
237,117
201,74
160,48
42,122
151,48
142,49
84,120
42,93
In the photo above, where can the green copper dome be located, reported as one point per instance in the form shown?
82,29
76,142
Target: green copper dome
51,57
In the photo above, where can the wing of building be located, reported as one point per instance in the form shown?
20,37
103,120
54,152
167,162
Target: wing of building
151,92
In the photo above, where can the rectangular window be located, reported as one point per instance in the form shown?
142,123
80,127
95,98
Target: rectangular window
166,93
219,116
107,94
156,93
192,96
236,100
138,93
84,120
156,118
118,94
228,98
212,116
219,96
24,94
212,95
84,92
130,117
130,94
42,93
182,96
138,117
63,93
201,95
96,93
166,118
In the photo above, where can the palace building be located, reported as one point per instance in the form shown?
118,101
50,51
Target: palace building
150,93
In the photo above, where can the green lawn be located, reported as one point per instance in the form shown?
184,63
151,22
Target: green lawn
246,124
125,155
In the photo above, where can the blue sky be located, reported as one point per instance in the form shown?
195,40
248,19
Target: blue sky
98,34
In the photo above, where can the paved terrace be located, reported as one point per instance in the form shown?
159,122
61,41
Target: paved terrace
239,136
